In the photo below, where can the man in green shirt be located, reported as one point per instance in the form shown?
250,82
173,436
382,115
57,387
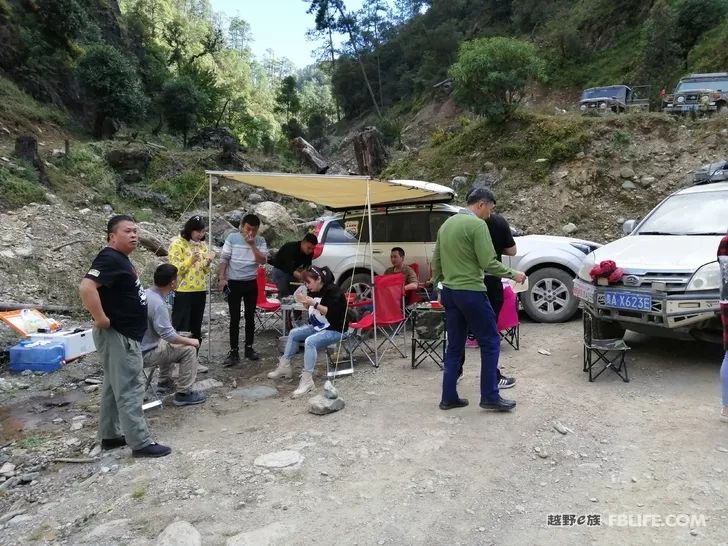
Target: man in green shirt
463,251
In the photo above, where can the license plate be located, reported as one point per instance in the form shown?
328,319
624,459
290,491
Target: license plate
583,290
627,300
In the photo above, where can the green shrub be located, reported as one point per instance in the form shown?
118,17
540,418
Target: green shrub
183,188
19,186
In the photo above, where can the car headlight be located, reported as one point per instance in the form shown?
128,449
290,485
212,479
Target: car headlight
681,99
706,278
586,267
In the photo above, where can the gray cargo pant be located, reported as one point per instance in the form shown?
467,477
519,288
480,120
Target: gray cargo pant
165,354
122,393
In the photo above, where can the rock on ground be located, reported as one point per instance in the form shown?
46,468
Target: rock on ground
279,459
179,533
264,536
321,405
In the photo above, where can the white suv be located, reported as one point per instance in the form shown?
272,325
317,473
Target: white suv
671,279
550,262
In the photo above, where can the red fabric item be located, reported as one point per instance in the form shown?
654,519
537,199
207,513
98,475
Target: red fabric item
616,275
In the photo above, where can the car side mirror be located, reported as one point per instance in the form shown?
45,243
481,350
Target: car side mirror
628,226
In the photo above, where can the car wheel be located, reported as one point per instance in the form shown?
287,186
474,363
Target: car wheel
723,109
360,284
549,297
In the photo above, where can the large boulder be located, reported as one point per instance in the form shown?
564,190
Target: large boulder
275,219
215,137
179,533
129,159
220,229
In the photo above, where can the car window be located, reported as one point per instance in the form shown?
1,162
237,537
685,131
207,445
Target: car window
689,214
436,220
340,231
407,227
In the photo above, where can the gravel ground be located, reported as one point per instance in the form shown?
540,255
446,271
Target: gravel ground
391,468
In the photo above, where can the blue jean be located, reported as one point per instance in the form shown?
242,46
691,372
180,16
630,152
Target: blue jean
468,310
724,379
313,342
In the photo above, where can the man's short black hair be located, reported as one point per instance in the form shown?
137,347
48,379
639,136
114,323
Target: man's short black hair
115,221
251,220
310,238
480,194
164,275
399,250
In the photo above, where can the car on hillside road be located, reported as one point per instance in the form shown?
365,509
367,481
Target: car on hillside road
551,262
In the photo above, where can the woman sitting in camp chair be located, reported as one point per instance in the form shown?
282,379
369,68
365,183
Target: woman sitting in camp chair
326,325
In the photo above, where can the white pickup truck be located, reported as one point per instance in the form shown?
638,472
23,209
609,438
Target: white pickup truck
671,278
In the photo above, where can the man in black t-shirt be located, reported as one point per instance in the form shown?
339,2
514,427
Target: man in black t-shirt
112,293
290,262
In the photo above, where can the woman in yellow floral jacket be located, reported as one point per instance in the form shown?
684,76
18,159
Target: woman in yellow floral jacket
191,256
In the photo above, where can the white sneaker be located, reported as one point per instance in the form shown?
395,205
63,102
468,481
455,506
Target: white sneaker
305,385
202,369
284,369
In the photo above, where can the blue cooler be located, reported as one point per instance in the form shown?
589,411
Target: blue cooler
37,356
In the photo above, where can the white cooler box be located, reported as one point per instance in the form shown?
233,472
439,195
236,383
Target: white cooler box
76,343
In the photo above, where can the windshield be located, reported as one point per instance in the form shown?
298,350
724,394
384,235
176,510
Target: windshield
718,84
601,92
689,214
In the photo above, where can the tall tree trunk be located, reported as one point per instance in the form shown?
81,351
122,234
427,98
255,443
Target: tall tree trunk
333,69
350,31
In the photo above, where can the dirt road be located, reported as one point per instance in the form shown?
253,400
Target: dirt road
392,468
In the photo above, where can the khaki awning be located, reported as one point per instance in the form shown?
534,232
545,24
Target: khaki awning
343,192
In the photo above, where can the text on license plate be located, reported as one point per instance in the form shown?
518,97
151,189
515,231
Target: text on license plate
627,300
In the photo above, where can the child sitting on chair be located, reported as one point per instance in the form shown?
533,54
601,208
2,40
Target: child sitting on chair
326,324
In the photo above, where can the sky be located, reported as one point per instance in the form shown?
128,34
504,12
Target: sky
279,25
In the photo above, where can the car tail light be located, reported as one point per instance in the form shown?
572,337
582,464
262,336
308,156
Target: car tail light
318,250
317,228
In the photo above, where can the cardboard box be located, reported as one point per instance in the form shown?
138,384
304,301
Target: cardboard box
77,342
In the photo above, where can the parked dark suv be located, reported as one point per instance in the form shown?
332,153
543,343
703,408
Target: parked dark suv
699,93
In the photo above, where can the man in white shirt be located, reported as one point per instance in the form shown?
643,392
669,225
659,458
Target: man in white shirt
242,254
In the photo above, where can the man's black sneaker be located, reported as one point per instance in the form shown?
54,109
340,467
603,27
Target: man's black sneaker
232,359
153,450
165,387
113,443
506,382
250,354
188,398
501,404
459,403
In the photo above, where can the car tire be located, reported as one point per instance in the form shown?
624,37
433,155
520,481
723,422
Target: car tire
549,297
361,283
723,109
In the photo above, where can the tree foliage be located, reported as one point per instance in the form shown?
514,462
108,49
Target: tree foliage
491,74
183,103
112,84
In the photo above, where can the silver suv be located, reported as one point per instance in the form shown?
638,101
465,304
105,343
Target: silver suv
551,263
671,279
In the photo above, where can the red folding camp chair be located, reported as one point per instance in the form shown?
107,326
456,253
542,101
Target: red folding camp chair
509,325
388,319
267,310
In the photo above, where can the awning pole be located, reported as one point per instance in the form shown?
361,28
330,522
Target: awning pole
209,274
371,272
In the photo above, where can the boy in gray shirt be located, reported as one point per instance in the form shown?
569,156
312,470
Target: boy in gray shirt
162,346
